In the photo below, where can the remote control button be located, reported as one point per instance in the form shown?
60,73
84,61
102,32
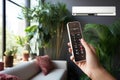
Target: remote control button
74,39
77,53
75,46
82,52
82,56
76,50
81,47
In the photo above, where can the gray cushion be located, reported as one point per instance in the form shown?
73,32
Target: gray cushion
25,70
56,74
31,71
60,64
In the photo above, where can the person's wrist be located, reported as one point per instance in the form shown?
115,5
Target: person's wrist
96,71
100,73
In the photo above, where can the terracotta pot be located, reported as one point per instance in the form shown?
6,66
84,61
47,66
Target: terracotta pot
1,66
8,61
25,57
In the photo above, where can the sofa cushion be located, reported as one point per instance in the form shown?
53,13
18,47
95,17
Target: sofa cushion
56,74
24,70
45,64
61,64
31,71
8,77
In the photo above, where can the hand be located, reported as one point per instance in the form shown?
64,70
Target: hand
91,59
91,66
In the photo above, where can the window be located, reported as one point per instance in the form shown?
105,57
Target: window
14,25
34,3
1,6
19,2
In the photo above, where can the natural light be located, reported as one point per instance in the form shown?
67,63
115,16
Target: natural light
0,30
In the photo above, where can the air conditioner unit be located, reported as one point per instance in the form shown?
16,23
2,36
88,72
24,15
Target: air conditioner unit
94,10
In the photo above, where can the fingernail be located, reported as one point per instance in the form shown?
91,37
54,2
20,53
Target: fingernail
81,39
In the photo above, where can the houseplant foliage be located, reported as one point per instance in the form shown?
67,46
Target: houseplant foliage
9,56
20,40
50,20
11,51
23,42
106,40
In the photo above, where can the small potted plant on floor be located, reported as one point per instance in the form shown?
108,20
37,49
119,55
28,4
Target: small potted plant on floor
9,56
24,43
25,55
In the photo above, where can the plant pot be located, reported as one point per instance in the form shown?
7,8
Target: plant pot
1,66
8,61
25,57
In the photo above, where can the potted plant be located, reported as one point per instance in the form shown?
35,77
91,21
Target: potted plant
9,56
25,55
106,40
24,43
50,21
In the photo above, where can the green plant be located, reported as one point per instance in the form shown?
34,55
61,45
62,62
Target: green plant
106,40
20,40
50,20
11,51
84,77
23,42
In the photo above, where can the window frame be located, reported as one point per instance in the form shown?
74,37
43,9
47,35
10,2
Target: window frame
27,4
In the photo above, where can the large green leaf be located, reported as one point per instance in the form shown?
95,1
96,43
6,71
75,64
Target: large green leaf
106,40
30,31
100,31
115,29
84,77
99,35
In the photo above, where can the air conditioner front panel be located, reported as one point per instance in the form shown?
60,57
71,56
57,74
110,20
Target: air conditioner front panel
86,10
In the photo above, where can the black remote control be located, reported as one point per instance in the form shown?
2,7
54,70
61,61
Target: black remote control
75,34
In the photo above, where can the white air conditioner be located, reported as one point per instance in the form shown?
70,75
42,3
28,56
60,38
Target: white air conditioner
94,10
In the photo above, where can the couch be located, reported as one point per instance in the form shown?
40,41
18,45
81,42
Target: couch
31,71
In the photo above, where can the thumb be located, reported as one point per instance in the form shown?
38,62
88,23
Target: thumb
84,43
87,47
